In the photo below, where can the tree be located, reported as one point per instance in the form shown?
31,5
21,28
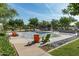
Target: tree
19,24
44,25
11,24
33,22
65,11
65,22
72,9
16,24
72,19
55,24
6,12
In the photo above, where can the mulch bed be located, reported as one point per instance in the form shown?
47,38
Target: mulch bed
46,48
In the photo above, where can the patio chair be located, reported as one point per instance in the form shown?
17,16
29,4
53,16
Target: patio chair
45,39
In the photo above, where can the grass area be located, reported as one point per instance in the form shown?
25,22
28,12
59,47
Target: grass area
6,48
71,49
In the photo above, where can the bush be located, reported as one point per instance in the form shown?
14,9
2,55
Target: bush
2,34
6,48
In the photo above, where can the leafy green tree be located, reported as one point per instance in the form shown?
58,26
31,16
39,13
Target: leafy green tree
65,22
33,23
11,24
65,11
72,9
54,24
19,24
44,25
16,24
6,12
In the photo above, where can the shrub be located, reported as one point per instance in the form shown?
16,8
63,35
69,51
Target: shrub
2,34
6,48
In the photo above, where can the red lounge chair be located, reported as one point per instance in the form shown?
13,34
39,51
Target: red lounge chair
14,34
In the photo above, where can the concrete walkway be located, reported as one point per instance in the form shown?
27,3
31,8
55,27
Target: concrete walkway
19,43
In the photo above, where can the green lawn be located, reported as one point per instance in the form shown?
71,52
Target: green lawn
5,47
71,49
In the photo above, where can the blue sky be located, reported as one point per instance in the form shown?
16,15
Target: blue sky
43,11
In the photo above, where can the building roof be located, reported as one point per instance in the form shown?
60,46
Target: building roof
73,23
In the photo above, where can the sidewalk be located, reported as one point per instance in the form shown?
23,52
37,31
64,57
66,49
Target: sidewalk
34,50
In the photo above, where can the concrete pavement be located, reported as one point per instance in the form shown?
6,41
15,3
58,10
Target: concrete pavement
19,43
